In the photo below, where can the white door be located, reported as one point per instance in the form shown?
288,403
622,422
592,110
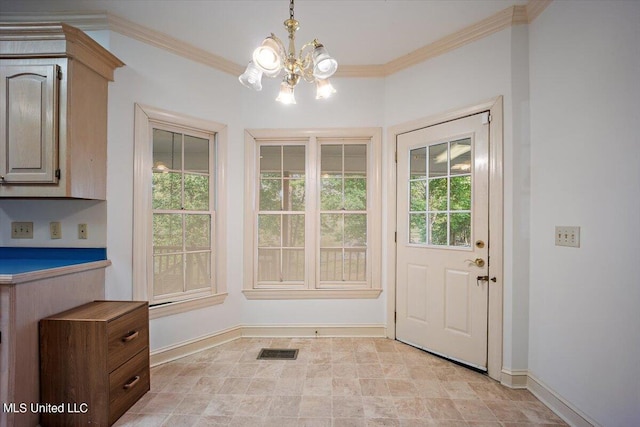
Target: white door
442,241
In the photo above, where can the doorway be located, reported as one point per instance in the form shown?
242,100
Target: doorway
446,297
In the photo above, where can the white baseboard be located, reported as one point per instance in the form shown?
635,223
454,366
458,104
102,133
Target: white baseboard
523,379
324,331
167,354
565,410
516,378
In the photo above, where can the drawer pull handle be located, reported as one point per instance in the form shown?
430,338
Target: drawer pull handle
130,336
132,383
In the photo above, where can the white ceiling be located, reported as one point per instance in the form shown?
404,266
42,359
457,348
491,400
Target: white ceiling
356,32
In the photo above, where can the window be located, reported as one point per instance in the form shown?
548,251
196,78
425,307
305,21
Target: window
440,194
178,264
312,214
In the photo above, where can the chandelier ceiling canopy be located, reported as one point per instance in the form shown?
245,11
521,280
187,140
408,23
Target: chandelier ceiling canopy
312,63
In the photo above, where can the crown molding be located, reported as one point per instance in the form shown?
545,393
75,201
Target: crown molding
535,8
178,47
94,21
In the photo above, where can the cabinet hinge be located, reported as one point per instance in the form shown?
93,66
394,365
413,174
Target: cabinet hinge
395,237
396,157
58,173
395,316
58,73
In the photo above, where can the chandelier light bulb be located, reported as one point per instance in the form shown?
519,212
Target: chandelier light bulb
267,57
324,66
324,89
286,95
252,77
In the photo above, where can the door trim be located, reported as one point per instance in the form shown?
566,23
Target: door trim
496,251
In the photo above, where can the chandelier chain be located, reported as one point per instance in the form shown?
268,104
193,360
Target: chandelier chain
291,9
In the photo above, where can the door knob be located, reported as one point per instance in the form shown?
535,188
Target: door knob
479,262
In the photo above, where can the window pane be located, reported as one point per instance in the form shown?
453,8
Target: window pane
196,192
268,265
355,194
167,190
293,264
355,159
438,229
331,160
197,232
269,229
270,161
460,193
331,234
270,194
461,156
331,264
167,233
167,150
418,196
198,270
438,160
418,228
196,154
438,194
355,230
460,233
294,160
293,231
355,264
418,163
167,274
331,194
293,195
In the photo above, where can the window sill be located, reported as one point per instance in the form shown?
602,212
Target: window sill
184,306
265,294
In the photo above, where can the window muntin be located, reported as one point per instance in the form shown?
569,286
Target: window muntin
440,188
183,214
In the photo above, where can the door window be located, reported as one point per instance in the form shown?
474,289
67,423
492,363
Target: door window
440,188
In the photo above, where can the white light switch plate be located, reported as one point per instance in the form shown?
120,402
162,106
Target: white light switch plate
568,236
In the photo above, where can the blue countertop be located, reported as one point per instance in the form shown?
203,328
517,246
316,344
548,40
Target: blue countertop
23,260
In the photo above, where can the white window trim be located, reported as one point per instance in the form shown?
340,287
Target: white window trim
374,238
142,227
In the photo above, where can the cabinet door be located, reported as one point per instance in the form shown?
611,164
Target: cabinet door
29,123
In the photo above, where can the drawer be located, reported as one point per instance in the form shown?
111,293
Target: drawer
127,384
127,335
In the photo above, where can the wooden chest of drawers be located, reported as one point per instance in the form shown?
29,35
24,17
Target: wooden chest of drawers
94,362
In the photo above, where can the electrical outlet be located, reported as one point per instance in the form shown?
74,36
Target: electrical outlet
568,236
22,230
82,231
55,230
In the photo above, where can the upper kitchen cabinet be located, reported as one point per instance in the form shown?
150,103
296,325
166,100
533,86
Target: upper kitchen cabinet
53,112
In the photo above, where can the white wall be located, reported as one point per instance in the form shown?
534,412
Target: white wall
466,76
584,342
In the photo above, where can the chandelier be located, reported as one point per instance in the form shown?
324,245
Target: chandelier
312,64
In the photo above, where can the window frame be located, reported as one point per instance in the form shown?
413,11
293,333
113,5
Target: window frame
145,119
313,138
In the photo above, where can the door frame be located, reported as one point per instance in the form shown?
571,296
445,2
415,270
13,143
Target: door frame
496,221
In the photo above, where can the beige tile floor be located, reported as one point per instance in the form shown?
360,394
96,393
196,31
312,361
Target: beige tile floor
334,382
